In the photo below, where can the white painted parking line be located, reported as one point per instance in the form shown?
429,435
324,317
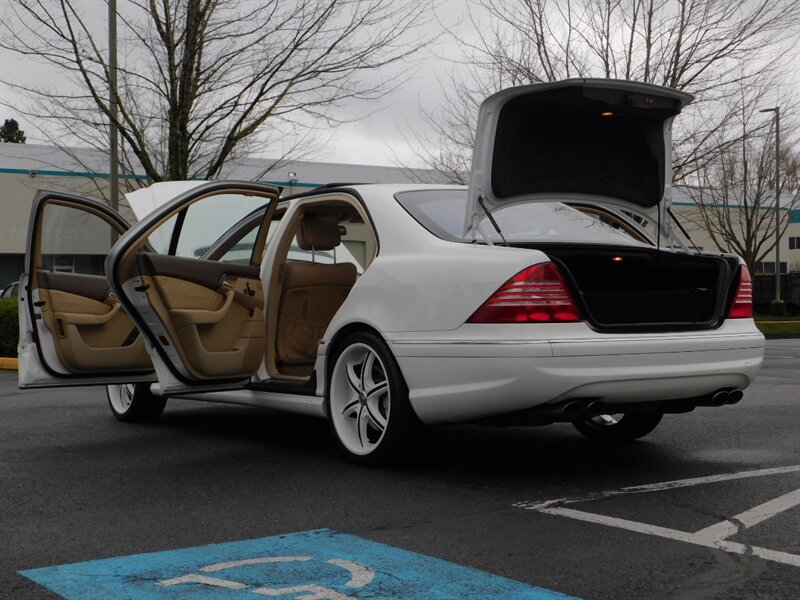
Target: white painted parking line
677,535
751,517
658,487
714,536
672,534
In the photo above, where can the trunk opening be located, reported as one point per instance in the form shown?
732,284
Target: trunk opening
622,288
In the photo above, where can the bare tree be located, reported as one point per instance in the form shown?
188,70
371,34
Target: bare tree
709,48
204,81
734,194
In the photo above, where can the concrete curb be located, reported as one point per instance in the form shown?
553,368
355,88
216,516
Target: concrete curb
8,363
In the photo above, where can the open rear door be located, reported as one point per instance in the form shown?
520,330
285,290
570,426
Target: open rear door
73,330
203,319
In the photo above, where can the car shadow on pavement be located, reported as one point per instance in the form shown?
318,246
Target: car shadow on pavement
499,456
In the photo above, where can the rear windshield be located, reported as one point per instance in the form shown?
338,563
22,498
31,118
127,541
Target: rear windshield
442,212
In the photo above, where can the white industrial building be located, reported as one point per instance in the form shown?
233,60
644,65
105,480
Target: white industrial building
24,168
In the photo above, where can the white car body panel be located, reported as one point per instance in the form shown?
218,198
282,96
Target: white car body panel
475,373
418,294
407,289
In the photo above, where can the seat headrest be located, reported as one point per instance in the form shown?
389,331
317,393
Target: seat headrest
318,233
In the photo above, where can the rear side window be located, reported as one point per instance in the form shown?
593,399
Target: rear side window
443,213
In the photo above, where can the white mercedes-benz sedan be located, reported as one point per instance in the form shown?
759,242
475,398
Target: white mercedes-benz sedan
554,288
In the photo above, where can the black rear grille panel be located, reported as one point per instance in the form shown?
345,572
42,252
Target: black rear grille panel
624,288
669,306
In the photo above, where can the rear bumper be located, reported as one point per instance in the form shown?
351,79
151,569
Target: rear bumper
469,377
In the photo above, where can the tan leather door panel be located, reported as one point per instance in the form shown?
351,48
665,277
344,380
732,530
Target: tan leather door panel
91,332
212,311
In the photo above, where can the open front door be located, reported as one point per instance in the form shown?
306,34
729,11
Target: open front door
73,329
203,319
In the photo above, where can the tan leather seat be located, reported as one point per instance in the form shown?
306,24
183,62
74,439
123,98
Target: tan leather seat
311,294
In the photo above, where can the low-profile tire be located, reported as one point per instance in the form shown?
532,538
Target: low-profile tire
135,403
618,428
367,402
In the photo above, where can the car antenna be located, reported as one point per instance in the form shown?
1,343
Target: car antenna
683,230
491,219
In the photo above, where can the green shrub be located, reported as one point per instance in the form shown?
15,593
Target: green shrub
9,327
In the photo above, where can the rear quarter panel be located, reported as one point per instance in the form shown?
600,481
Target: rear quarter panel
419,282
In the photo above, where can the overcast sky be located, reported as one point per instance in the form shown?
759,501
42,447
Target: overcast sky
370,140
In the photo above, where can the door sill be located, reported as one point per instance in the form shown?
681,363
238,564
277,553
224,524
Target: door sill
302,388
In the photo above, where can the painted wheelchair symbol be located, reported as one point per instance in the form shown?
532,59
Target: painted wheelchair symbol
360,576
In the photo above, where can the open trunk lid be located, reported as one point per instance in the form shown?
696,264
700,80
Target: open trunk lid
601,141
145,200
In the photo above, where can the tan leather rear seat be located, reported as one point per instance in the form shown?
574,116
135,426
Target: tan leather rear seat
311,294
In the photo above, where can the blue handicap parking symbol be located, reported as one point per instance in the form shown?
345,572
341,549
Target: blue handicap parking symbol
311,565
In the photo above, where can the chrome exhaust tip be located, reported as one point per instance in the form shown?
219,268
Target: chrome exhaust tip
735,396
597,407
573,410
720,398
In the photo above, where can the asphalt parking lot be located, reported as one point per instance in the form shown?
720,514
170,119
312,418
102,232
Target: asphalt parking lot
707,506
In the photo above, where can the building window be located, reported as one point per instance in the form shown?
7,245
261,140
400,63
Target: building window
768,266
794,243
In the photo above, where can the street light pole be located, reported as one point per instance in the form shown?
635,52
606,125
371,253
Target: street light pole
112,102
777,306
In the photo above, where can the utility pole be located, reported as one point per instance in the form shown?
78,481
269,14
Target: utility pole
112,102
777,306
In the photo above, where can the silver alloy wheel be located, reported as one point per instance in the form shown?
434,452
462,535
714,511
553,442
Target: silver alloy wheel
120,396
360,400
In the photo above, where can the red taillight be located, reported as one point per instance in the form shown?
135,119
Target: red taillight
535,295
742,307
